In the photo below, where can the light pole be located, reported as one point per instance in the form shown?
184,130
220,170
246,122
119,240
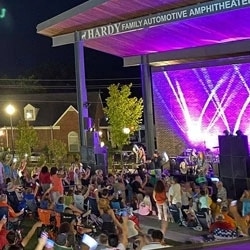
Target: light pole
10,110
1,139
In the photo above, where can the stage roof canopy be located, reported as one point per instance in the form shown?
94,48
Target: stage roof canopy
167,30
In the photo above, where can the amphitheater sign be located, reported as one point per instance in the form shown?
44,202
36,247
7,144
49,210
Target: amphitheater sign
197,10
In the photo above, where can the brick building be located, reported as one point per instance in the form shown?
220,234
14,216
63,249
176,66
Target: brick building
53,116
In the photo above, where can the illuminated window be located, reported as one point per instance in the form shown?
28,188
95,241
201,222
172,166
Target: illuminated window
30,113
73,142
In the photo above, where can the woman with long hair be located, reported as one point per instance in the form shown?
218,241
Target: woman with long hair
44,179
160,197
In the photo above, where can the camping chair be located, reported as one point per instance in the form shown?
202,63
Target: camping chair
58,247
30,202
46,216
59,208
66,217
79,201
92,204
116,206
4,211
13,201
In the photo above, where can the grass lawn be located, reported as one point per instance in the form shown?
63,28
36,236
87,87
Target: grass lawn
26,226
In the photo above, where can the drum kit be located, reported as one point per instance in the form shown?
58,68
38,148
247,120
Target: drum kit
197,163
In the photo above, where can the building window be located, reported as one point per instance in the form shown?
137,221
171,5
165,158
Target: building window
73,142
30,113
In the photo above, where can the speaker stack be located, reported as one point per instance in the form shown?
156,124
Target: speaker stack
234,167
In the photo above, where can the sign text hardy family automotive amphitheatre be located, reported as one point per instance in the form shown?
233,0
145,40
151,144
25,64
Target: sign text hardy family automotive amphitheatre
197,10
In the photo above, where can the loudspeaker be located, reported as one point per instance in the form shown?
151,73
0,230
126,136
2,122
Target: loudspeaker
240,186
100,159
92,138
101,163
91,155
234,166
233,145
225,166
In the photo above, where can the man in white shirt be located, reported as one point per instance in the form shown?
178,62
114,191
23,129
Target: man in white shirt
175,192
157,241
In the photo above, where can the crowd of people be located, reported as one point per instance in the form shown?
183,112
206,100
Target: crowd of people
115,200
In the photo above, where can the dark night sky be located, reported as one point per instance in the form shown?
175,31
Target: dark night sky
23,50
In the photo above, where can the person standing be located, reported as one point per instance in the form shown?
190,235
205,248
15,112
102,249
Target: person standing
175,192
1,175
175,200
160,197
44,178
157,160
56,186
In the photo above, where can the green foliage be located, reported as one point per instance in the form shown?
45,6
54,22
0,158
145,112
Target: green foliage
27,139
28,84
123,111
57,151
21,85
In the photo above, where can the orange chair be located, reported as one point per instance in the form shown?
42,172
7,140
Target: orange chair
45,217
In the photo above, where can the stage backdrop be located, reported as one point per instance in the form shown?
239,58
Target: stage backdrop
194,106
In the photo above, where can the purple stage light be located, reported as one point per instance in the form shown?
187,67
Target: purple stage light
204,102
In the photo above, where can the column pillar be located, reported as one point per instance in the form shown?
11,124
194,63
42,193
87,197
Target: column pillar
81,91
148,106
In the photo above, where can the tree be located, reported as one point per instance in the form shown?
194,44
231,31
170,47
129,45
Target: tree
57,150
21,85
27,139
123,112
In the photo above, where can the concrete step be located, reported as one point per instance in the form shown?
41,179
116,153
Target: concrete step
175,236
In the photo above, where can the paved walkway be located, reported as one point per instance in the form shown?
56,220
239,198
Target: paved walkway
184,235
175,232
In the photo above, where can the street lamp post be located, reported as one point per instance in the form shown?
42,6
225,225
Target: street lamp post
10,110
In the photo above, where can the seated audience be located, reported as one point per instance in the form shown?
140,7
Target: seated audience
221,229
204,202
107,214
103,242
228,218
15,240
222,193
60,207
145,207
65,236
13,216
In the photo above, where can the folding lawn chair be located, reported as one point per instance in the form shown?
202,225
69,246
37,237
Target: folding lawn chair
58,247
46,217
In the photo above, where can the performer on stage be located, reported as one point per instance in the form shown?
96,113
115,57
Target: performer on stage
157,160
